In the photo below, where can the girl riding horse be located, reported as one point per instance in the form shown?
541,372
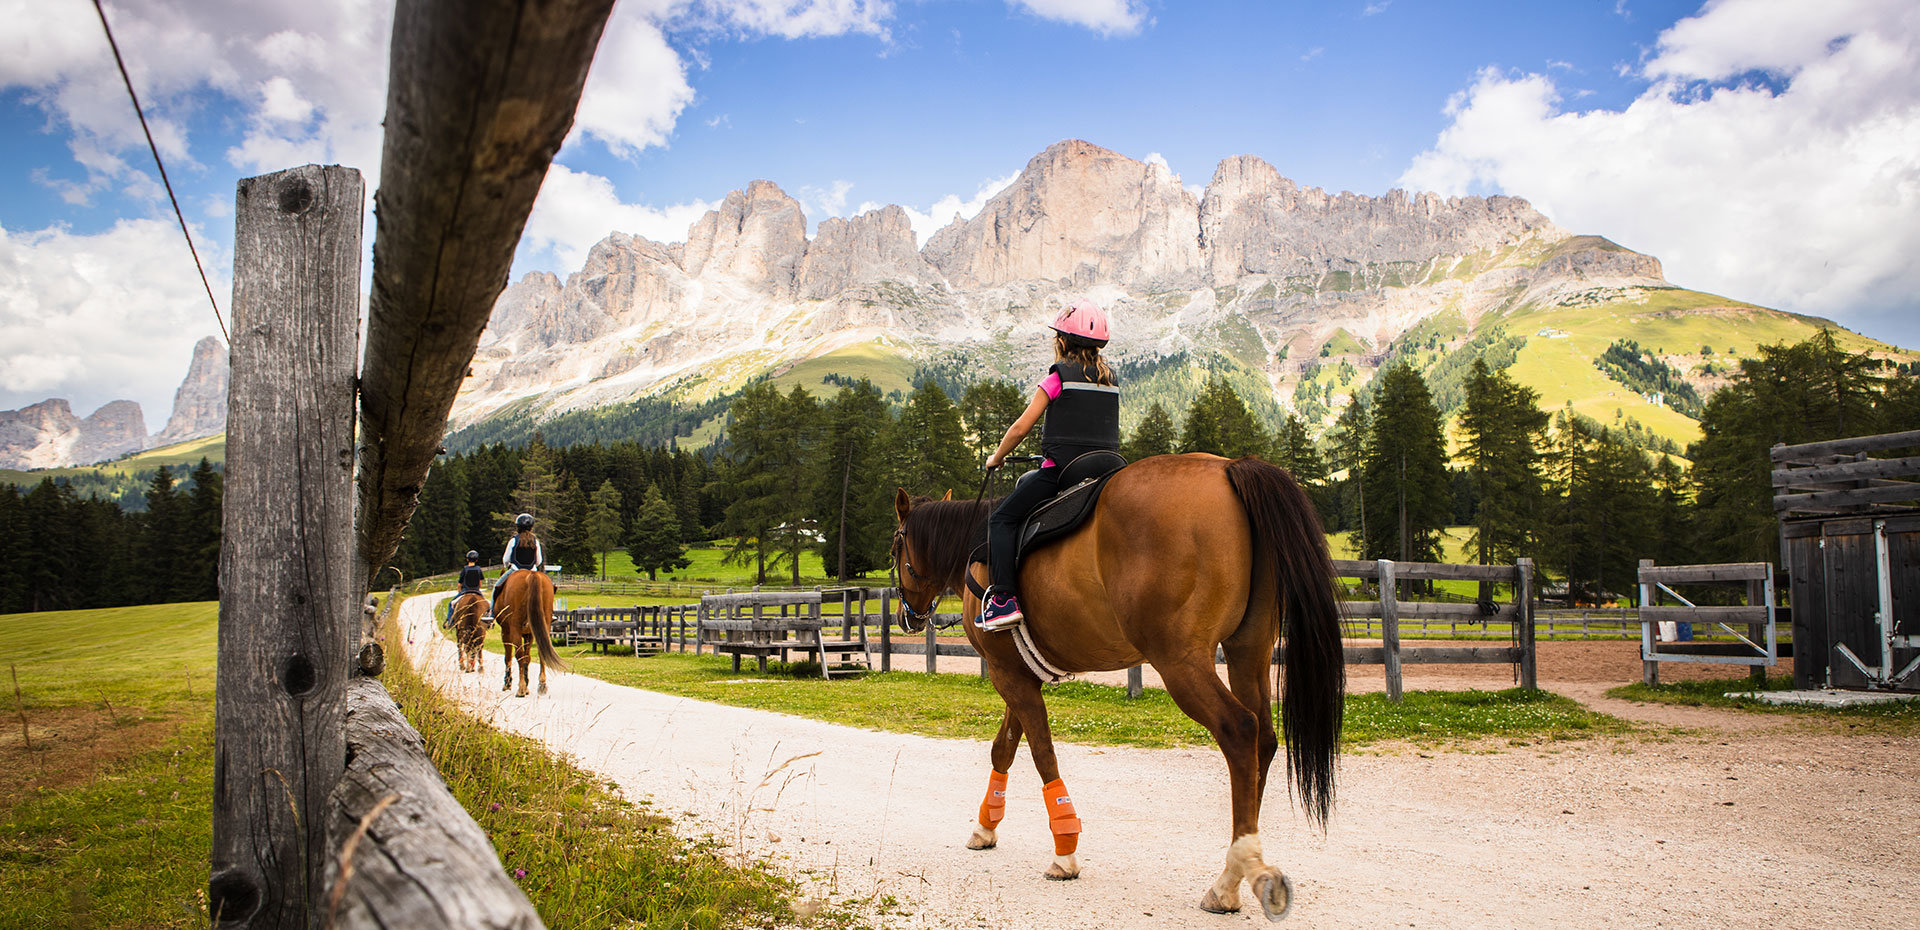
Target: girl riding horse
1081,403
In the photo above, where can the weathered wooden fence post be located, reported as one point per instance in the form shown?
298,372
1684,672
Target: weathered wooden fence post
289,596
1649,668
1390,628
1523,615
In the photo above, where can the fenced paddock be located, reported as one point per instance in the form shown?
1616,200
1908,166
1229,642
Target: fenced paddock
769,624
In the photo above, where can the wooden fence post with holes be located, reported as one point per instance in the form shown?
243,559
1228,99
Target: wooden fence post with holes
289,597
1523,615
1390,628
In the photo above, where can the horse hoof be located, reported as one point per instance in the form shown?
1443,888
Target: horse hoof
1275,891
1214,904
983,838
1064,869
543,687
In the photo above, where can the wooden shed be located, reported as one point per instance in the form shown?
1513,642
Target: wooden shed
1850,542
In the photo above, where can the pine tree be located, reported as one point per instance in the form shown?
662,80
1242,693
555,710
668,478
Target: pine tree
1154,436
159,536
654,541
760,453
200,580
1219,422
927,445
1504,430
1607,509
1408,498
987,409
850,499
1347,452
1808,392
1294,451
604,526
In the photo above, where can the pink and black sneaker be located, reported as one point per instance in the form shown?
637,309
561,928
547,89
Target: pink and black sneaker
1001,611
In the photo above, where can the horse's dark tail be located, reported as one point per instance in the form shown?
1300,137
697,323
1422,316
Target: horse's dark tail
540,616
1313,698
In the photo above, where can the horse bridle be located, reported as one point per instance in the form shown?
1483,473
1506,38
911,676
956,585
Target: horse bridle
911,620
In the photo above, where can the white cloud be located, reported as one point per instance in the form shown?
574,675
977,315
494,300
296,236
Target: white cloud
637,87
820,203
101,317
1106,17
295,100
1312,53
576,209
943,211
1375,9
1801,193
798,19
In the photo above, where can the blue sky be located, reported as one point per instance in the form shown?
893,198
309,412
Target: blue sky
1764,149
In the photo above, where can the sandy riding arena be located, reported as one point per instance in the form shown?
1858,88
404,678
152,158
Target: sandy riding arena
1779,825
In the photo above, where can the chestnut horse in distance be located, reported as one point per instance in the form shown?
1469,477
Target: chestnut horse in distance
470,628
525,613
1182,554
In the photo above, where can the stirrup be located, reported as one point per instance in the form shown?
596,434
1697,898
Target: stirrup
1006,621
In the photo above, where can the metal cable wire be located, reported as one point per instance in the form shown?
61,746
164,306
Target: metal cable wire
117,60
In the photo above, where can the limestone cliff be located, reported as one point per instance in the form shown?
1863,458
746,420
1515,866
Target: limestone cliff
200,403
758,236
1255,222
48,435
1078,214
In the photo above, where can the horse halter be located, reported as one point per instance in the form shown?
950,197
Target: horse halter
911,620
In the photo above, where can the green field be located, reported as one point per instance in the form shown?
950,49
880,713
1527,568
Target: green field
119,704
1674,324
884,366
178,457
709,567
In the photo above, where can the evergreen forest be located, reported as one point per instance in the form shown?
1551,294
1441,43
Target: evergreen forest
794,472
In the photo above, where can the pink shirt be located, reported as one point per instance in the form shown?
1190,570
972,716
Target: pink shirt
1051,385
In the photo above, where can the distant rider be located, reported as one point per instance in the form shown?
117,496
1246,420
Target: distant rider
523,552
1081,403
472,579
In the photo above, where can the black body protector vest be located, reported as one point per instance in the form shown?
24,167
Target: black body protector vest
1084,418
471,578
525,554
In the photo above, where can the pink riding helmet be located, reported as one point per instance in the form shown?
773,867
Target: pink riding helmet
1083,322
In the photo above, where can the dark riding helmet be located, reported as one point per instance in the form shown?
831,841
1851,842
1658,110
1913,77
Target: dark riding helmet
524,521
473,556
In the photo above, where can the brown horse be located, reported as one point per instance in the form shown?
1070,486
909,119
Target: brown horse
470,628
525,613
1182,554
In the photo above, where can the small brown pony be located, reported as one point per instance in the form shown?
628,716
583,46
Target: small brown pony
1182,554
525,612
470,628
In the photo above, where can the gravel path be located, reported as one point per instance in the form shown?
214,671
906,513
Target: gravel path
1777,826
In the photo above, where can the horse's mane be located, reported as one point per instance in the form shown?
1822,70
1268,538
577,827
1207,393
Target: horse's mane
946,532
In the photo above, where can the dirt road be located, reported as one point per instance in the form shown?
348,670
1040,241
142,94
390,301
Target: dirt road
1775,826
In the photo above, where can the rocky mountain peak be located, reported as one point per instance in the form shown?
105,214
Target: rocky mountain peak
48,435
1254,221
1081,214
200,403
877,245
757,236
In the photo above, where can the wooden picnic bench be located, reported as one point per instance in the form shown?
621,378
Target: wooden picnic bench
765,624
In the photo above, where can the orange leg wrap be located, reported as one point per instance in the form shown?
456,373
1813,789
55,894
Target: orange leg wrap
1061,818
994,806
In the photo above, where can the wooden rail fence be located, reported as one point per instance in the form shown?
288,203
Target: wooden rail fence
778,623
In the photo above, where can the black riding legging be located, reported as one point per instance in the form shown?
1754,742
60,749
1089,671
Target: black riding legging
1003,528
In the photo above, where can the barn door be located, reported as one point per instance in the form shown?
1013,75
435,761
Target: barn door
1902,574
1872,570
